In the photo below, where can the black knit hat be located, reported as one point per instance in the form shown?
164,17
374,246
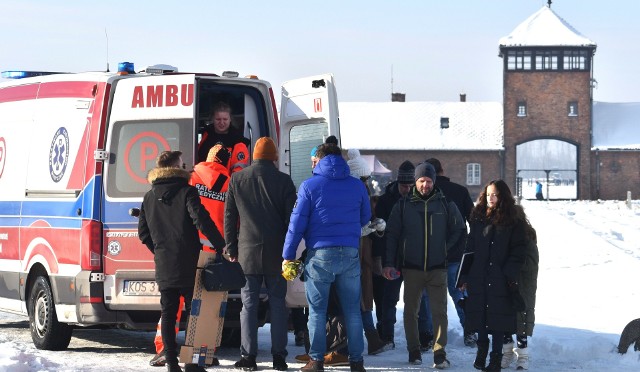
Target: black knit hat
406,172
425,170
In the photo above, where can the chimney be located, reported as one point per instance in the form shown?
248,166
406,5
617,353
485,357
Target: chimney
397,97
463,97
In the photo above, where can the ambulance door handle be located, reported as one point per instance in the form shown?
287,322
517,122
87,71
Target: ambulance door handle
134,212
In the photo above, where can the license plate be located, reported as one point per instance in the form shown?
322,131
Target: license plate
140,288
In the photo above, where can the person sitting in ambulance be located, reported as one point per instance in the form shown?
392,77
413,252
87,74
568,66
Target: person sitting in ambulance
221,130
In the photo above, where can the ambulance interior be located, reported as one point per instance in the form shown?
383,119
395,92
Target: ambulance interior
249,114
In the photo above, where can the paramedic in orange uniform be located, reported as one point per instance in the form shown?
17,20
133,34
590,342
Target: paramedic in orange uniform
221,130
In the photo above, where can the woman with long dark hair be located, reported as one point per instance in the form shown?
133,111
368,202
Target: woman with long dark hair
499,230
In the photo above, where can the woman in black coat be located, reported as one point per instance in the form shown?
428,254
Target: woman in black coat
498,236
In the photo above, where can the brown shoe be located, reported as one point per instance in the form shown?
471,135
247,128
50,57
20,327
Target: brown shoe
303,358
336,359
313,366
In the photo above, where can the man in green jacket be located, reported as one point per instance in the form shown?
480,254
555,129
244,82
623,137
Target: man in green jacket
420,229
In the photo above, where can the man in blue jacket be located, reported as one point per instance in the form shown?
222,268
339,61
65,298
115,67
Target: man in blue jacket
331,209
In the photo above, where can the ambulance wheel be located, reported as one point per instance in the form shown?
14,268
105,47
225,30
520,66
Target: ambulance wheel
46,332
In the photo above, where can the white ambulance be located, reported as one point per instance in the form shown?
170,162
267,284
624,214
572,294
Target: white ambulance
75,149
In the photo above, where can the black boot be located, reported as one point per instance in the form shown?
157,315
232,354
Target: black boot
374,344
481,355
495,358
172,366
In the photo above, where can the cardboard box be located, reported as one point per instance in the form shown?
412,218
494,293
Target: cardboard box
204,330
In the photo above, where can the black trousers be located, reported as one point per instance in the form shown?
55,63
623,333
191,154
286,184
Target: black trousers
169,303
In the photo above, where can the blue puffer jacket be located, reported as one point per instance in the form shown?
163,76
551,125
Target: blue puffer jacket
330,210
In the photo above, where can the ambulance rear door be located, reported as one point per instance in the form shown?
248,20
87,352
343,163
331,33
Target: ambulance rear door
308,115
149,114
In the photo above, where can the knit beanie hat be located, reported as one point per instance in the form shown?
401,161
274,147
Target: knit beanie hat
425,170
265,149
313,151
219,154
357,165
406,173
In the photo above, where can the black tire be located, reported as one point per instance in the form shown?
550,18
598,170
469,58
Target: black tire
46,332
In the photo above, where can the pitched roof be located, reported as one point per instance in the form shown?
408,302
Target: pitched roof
545,28
416,125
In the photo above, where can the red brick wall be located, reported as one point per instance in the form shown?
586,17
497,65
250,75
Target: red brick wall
454,164
615,173
547,95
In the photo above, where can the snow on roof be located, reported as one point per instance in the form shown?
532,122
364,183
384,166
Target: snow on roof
545,28
472,125
416,125
616,126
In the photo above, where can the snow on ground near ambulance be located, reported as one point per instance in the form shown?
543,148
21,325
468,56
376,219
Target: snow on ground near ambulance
587,293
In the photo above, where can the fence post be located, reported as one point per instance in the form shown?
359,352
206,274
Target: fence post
629,199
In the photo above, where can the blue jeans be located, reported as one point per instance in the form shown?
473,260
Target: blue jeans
278,314
339,265
389,303
367,321
455,293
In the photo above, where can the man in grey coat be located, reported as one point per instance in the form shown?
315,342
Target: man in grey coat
257,211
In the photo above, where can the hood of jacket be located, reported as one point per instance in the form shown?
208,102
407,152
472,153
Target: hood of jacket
332,167
209,172
165,182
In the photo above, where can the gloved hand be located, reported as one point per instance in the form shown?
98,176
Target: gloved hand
378,224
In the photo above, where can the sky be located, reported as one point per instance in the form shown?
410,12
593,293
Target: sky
431,50
589,254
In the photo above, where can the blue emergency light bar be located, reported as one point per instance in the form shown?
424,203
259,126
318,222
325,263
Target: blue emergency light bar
126,68
26,74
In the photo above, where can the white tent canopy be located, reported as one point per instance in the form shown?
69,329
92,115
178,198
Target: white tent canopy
376,166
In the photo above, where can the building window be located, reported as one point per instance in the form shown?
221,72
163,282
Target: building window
522,109
547,60
572,109
473,174
519,60
575,60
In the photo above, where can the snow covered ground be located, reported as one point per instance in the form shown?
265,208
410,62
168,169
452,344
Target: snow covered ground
587,293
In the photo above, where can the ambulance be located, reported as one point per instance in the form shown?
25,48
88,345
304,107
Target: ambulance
75,150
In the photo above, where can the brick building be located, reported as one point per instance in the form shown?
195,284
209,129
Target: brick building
547,129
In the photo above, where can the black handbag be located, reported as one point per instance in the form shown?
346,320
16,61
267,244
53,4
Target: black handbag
222,275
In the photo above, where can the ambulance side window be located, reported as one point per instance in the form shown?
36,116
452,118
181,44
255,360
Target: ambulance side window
134,147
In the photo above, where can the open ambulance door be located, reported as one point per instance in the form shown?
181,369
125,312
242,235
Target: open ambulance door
149,115
308,115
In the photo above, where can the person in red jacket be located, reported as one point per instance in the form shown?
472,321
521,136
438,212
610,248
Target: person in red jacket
211,178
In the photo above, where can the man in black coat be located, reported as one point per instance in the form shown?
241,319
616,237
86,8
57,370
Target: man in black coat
259,202
170,217
460,196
